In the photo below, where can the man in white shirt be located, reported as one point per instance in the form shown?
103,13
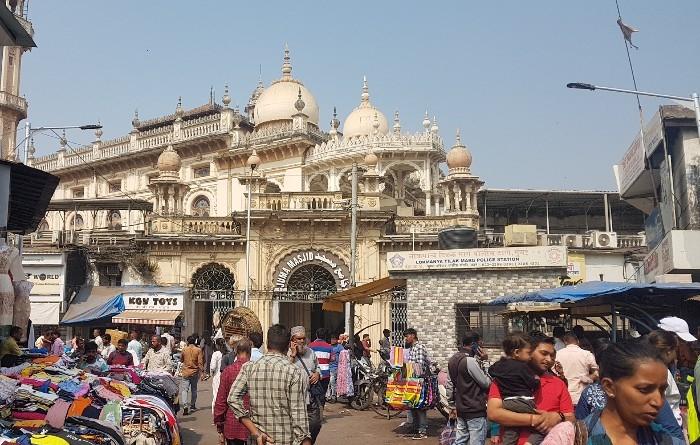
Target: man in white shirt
579,365
108,347
171,341
135,348
98,340
558,333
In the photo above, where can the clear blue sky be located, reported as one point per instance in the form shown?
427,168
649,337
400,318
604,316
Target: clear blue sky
495,69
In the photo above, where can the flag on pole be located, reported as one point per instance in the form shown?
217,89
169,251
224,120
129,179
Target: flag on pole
627,32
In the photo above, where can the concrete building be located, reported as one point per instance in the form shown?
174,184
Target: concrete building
659,175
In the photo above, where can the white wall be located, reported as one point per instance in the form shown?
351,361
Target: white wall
612,266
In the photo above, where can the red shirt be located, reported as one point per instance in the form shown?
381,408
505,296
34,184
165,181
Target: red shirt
224,418
117,358
552,396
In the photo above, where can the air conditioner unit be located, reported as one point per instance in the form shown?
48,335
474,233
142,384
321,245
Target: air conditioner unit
572,241
603,240
520,235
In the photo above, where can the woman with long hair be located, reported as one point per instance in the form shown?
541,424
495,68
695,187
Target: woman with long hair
633,376
215,368
666,343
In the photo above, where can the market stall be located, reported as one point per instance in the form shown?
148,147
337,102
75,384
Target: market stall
617,305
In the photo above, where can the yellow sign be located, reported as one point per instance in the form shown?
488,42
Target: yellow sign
575,269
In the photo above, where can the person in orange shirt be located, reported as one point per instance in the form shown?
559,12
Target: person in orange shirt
192,372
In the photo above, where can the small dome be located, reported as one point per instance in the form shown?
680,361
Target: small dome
169,160
364,119
277,102
371,159
459,156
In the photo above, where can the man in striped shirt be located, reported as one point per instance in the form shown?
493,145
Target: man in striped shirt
322,349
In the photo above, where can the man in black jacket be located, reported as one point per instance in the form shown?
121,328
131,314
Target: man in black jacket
467,388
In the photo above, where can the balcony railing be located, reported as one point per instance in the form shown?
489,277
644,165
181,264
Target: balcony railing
197,225
16,103
297,201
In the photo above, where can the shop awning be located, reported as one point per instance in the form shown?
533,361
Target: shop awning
361,294
606,292
152,317
94,303
45,313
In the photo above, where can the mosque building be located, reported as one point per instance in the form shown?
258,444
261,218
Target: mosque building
174,194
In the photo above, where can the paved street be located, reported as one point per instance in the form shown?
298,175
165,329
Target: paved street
354,427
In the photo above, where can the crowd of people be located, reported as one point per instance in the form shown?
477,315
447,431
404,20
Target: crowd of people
571,389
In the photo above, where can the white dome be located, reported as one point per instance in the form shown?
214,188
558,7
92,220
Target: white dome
276,103
363,119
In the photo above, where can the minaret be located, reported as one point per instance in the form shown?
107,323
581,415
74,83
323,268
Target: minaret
461,187
13,108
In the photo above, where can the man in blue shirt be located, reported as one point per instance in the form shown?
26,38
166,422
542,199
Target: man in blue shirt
336,348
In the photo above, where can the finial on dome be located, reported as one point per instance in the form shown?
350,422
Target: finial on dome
63,141
31,150
426,121
365,90
335,123
397,122
458,138
226,100
287,65
135,121
435,127
179,112
299,104
375,124
98,132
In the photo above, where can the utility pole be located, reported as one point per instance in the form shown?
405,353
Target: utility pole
350,307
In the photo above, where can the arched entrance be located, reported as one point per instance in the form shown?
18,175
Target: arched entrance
302,280
213,293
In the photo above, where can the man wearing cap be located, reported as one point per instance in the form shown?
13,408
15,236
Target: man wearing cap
305,359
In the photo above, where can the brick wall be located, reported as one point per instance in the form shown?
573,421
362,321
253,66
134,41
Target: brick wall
432,296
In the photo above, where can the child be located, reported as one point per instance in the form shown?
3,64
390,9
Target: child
517,383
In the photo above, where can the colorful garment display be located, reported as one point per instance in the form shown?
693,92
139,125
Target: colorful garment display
344,386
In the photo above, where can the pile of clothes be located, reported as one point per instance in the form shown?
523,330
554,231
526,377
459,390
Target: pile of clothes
47,401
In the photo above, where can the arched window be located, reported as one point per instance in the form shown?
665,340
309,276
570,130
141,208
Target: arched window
114,220
213,281
312,279
271,187
78,223
43,226
318,184
200,206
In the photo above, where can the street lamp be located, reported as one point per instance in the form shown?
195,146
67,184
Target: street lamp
28,130
253,162
693,97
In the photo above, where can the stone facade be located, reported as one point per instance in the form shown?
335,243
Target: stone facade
432,296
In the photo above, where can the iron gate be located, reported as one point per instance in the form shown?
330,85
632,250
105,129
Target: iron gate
399,315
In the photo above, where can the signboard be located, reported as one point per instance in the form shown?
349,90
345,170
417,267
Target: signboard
666,202
499,258
654,228
575,269
631,165
660,260
153,301
48,279
327,260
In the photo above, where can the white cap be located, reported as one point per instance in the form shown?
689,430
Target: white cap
677,326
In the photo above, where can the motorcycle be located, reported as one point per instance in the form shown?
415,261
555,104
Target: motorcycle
361,382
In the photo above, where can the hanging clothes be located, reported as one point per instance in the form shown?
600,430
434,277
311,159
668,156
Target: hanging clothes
344,385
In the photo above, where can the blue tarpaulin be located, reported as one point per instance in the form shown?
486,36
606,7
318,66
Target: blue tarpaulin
598,292
94,303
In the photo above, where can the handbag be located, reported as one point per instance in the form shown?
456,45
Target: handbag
448,435
316,389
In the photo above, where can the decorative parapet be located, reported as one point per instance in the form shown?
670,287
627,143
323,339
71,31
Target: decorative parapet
428,224
385,143
19,104
297,201
196,225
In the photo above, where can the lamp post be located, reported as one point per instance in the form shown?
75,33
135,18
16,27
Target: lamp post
253,162
28,130
693,97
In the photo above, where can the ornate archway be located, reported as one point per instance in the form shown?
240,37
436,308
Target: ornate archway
310,276
213,281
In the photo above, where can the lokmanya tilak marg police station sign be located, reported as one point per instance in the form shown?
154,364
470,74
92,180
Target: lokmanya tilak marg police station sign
496,258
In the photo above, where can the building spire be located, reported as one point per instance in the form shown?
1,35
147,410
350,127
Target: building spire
458,139
426,121
397,123
226,100
287,65
365,90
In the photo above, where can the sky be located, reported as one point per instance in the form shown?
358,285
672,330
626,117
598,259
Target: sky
496,70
